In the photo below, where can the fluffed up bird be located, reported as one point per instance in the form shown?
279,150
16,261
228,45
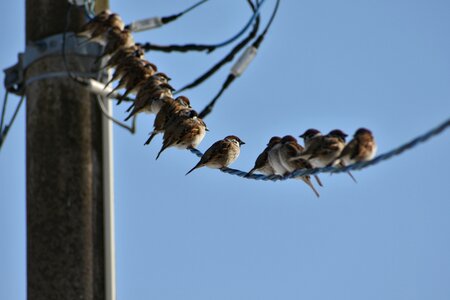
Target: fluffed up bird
221,154
123,53
170,111
150,96
183,132
116,39
361,148
97,30
324,149
289,148
262,161
309,136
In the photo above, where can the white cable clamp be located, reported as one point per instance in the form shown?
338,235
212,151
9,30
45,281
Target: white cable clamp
243,61
98,88
146,24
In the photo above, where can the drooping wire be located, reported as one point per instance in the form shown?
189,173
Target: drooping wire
209,48
357,166
233,74
5,130
5,103
228,58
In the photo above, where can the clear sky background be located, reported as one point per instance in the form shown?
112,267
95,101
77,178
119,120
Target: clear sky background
384,65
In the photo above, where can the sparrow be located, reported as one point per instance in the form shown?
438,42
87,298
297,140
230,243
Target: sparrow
361,148
290,148
323,150
170,110
309,136
116,39
133,79
88,28
262,161
150,95
127,65
122,53
183,132
97,31
221,154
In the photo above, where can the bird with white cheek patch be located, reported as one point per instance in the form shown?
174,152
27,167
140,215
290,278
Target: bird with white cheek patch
183,132
262,161
221,154
361,148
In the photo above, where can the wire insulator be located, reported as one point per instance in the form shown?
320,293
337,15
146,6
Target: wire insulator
243,61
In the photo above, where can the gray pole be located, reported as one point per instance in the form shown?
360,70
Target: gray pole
65,241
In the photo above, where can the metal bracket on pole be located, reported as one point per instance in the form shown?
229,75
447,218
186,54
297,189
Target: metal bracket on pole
52,45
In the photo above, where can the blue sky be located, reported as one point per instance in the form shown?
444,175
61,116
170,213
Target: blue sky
384,65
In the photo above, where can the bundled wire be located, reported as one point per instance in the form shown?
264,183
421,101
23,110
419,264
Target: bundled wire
200,47
155,22
228,58
241,64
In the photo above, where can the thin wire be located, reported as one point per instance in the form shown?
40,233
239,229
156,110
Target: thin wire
5,103
208,48
5,130
169,19
231,77
228,58
357,166
105,113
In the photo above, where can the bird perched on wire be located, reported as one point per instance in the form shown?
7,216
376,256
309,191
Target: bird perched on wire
150,96
262,161
290,148
324,149
130,64
309,136
124,52
116,39
170,111
221,154
361,148
134,78
97,29
184,131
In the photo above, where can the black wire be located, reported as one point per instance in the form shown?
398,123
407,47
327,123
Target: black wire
199,47
172,18
231,77
5,103
4,131
226,59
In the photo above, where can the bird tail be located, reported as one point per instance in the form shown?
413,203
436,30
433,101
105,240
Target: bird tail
250,173
307,180
351,176
150,138
319,182
195,167
164,147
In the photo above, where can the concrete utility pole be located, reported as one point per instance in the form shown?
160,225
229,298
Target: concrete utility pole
65,239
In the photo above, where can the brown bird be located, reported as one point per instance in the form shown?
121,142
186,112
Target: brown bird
88,28
116,39
98,30
262,161
310,136
290,148
122,53
361,148
325,149
127,65
171,110
221,154
183,132
150,95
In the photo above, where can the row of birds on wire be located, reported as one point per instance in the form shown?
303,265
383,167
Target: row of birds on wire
182,128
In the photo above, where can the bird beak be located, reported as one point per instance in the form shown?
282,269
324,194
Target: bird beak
242,143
